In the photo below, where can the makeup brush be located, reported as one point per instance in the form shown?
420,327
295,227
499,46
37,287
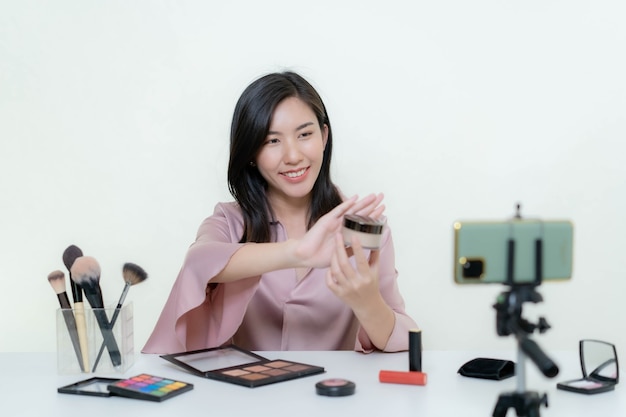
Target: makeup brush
57,281
86,273
69,256
133,274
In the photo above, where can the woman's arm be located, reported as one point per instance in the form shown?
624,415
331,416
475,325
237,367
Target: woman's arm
314,250
358,287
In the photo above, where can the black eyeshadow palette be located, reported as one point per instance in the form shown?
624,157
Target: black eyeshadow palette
95,387
140,387
239,366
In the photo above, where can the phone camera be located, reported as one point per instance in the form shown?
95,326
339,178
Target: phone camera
473,268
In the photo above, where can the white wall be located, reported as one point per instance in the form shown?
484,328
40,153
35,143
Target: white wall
114,122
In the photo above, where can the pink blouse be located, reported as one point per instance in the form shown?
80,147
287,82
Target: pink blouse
274,311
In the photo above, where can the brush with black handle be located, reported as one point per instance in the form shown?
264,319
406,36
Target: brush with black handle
57,281
69,256
133,275
86,273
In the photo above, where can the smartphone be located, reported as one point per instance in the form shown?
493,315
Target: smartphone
481,250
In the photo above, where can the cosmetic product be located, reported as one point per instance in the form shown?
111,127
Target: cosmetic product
400,377
599,366
335,387
140,387
415,350
149,387
70,254
133,274
367,230
57,281
95,387
86,273
238,366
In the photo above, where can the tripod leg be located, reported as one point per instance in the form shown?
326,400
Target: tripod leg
505,401
500,410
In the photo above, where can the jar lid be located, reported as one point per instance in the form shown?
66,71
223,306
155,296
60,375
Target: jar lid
362,224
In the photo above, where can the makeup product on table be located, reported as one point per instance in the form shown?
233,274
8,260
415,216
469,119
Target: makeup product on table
402,377
414,376
415,350
86,273
57,281
335,387
367,230
140,387
133,274
69,256
149,387
239,366
599,366
95,387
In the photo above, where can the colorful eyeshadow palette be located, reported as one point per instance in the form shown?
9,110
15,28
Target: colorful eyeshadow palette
149,387
238,366
140,387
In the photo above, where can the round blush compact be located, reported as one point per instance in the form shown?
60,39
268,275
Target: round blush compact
335,387
367,230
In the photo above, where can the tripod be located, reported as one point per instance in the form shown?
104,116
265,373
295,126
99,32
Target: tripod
509,321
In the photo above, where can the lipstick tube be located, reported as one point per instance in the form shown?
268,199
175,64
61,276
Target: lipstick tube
415,350
401,377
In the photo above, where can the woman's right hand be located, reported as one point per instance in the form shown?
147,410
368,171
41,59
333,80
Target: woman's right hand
316,247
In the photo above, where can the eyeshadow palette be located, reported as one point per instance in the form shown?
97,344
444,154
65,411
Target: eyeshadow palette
149,387
96,387
141,387
239,366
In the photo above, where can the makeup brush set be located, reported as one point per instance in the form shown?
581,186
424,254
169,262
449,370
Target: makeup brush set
91,331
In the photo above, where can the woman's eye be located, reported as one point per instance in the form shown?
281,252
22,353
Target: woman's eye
271,141
305,134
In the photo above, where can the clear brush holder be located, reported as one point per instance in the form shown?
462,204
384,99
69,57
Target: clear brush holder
82,333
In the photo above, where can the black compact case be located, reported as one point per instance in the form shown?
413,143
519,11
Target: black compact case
238,366
601,358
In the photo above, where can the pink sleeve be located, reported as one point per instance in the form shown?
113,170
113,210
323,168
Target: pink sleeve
388,282
194,316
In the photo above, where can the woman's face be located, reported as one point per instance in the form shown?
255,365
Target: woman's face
291,157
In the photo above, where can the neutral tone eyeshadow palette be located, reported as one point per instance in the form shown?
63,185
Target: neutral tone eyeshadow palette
238,366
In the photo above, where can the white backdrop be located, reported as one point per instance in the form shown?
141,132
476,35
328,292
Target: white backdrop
115,115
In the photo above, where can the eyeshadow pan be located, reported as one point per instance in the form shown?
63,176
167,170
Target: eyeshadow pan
297,367
254,377
275,372
235,372
278,364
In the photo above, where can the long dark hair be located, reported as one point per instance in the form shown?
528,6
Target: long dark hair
249,129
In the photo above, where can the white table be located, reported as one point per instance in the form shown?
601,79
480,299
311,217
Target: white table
30,380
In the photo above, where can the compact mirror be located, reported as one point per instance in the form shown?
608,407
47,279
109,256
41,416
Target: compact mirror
600,368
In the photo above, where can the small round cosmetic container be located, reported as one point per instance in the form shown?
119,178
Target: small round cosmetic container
366,229
335,387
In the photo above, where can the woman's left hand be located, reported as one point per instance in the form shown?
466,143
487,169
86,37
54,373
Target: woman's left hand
356,286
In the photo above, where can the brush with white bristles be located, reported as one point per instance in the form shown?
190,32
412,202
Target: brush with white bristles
57,281
86,273
69,256
133,274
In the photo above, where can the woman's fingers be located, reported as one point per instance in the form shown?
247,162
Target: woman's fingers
370,206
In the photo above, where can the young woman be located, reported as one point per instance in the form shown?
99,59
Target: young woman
270,271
